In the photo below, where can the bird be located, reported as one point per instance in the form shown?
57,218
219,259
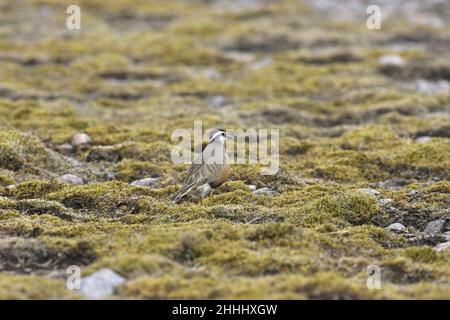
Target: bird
210,171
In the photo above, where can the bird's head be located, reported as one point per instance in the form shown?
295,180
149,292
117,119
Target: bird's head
219,135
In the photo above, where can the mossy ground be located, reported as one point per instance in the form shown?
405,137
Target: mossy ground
135,72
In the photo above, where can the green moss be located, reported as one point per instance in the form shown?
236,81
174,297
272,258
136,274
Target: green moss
369,138
22,152
33,189
113,198
37,206
352,208
15,287
6,179
21,254
130,170
428,159
421,254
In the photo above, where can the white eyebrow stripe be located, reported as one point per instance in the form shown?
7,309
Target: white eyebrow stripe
215,135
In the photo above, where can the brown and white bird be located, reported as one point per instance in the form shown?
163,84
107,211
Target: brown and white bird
209,171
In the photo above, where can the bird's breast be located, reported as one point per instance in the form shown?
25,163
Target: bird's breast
224,174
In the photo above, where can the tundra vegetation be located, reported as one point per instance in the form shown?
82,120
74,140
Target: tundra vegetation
364,143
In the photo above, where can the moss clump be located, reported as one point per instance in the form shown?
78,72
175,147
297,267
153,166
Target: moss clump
22,255
25,153
17,287
135,266
348,208
111,198
37,206
33,189
369,138
6,179
420,159
130,170
421,254
157,151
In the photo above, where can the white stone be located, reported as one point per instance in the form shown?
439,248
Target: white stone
71,179
264,190
146,182
372,192
391,60
423,139
101,284
80,138
397,227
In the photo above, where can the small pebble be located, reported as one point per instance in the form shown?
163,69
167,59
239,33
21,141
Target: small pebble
391,60
252,187
423,139
147,182
385,201
397,227
71,179
80,138
264,190
110,175
372,192
413,193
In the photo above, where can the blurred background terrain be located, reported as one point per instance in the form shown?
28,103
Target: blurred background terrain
86,114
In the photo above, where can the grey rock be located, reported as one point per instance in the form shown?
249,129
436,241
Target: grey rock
432,87
372,192
443,246
101,284
71,179
436,226
384,202
265,190
423,139
80,138
413,193
147,182
397,227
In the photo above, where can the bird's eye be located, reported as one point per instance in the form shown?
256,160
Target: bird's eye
223,134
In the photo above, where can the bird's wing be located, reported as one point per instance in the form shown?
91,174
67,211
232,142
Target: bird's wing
200,174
